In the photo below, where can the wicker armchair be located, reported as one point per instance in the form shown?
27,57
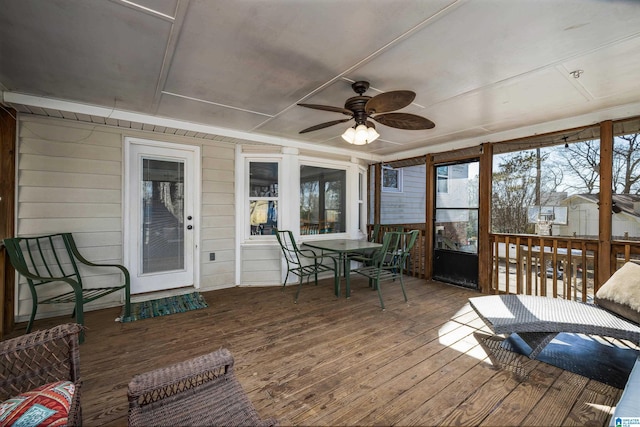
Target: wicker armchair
40,358
202,391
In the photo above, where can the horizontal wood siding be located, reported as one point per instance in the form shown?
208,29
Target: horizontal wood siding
217,229
261,265
407,206
70,180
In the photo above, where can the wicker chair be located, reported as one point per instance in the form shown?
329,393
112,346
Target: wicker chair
40,358
202,391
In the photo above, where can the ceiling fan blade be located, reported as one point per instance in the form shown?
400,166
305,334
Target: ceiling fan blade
324,125
328,108
404,121
389,101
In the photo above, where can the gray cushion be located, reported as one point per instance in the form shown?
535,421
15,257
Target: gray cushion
621,293
628,404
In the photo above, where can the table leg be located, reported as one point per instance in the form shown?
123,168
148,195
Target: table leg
347,271
336,288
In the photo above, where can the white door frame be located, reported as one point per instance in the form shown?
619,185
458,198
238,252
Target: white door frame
130,248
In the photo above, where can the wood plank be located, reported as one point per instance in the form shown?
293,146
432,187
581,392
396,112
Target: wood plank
333,361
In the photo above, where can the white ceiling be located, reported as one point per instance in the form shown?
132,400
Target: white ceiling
483,70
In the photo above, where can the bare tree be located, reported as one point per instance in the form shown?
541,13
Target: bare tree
626,164
582,162
514,190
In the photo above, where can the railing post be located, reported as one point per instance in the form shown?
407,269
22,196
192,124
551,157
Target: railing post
429,217
604,234
484,218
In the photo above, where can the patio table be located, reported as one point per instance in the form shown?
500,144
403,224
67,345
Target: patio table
344,247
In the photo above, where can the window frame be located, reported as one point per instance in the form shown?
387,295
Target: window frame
398,187
248,198
341,166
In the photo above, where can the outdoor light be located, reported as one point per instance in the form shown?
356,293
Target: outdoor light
360,135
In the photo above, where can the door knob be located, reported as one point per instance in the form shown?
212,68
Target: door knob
189,227
189,217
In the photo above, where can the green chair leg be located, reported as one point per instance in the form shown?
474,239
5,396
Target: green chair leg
380,295
298,292
34,309
403,292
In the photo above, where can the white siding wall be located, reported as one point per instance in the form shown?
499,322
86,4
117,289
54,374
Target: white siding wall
218,216
409,205
582,220
623,223
70,180
261,265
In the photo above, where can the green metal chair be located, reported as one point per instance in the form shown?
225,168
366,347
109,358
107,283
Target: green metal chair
375,236
375,233
305,262
54,259
389,261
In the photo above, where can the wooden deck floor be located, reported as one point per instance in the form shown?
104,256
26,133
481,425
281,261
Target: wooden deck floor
328,361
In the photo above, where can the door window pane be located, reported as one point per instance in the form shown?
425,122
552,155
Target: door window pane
457,230
322,200
456,225
162,215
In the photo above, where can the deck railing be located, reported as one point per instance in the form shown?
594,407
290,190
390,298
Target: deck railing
416,265
552,266
558,267
623,251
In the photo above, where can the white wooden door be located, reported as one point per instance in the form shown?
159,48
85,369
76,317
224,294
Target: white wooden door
161,235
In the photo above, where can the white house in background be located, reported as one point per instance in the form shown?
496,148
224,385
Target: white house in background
403,195
582,216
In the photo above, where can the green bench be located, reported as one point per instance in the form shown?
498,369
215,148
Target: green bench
53,259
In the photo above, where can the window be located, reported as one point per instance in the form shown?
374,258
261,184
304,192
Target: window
442,178
391,179
263,197
322,200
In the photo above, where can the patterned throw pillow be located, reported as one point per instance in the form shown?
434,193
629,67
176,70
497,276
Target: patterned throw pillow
47,405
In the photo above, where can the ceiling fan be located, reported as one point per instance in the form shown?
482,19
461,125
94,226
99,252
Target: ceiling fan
379,108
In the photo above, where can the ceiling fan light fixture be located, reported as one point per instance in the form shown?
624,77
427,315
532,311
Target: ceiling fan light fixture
379,108
360,135
349,135
372,135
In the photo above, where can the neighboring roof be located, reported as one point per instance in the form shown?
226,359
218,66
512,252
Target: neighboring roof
623,201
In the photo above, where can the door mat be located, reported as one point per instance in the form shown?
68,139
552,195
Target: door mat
577,353
163,307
